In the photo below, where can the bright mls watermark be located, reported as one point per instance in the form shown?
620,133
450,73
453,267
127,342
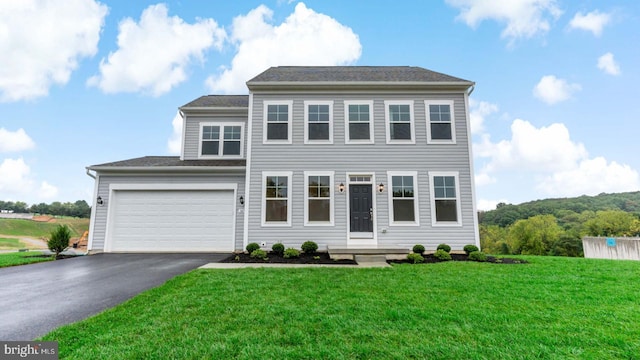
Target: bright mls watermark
41,350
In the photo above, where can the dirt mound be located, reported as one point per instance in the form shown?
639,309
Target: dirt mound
42,218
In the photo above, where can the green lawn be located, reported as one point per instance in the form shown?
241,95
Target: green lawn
21,258
557,308
11,244
20,227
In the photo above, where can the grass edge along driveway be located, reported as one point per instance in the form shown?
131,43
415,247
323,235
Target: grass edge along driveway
550,308
21,258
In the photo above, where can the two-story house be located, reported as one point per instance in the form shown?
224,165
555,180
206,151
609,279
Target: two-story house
349,156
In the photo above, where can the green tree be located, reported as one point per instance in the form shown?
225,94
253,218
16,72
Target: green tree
492,238
59,239
612,223
535,235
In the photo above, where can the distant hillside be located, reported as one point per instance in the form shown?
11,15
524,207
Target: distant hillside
506,214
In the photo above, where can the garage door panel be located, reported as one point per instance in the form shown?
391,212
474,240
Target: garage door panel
172,220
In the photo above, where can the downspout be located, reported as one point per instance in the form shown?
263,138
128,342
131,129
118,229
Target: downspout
473,87
90,174
93,210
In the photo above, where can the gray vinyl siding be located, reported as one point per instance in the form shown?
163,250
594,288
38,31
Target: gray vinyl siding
100,220
377,158
192,132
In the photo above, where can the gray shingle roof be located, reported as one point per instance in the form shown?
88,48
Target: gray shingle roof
220,101
352,74
168,161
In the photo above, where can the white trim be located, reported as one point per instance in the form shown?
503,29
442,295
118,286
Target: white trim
221,140
332,201
388,122
94,208
184,132
356,239
245,230
263,200
471,172
306,121
265,105
434,222
114,188
347,134
428,117
416,214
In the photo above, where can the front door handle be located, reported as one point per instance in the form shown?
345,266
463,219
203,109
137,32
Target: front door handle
371,214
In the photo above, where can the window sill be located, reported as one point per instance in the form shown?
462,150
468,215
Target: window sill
404,223
319,223
276,224
446,224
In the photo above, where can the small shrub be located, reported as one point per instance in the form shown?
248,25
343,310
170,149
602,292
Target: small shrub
291,253
470,248
444,247
59,239
418,249
415,258
316,258
477,256
309,247
251,247
442,255
237,258
259,254
278,248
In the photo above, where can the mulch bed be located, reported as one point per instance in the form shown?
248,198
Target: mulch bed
273,258
323,258
430,259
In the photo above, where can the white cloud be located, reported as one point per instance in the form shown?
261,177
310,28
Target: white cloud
304,38
41,42
608,64
593,21
478,111
16,182
544,149
486,205
523,18
591,177
553,90
153,55
175,141
484,178
14,141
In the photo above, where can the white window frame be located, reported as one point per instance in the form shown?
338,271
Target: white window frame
306,122
387,118
263,213
455,175
347,139
331,199
266,104
390,175
428,117
221,140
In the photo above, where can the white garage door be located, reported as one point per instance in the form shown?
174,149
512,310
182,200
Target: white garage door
171,221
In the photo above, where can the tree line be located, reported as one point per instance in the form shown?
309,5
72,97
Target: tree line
556,226
79,208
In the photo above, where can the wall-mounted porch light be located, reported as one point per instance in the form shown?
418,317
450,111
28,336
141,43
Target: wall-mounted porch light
241,200
381,187
99,201
341,187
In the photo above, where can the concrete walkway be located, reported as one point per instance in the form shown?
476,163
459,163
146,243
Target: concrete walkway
267,265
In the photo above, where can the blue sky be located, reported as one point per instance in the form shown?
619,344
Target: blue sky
553,112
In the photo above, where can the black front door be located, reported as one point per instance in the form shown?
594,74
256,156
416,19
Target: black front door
361,208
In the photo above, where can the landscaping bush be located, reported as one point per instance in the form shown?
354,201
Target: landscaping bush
251,247
418,249
444,247
259,254
59,239
477,256
415,258
468,249
309,247
278,248
442,254
291,253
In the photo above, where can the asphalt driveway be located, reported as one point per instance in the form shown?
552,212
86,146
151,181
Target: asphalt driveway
37,298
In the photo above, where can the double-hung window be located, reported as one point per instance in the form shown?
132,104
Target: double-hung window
403,198
399,121
318,120
358,124
445,198
276,198
440,124
221,140
318,198
277,121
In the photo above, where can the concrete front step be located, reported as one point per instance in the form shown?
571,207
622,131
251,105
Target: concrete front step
384,253
370,258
